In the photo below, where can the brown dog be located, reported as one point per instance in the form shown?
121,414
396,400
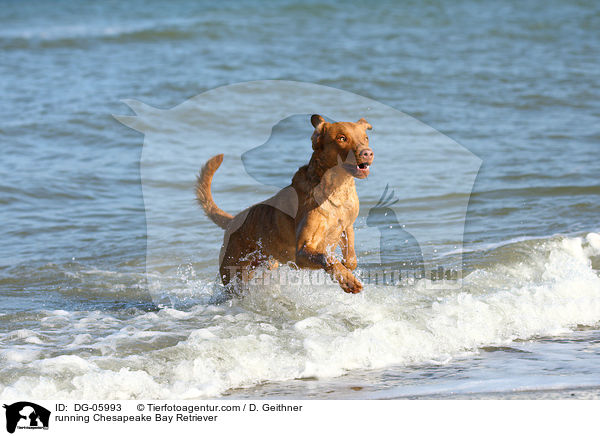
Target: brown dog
305,222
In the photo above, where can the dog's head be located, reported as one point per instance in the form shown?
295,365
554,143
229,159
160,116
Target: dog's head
343,143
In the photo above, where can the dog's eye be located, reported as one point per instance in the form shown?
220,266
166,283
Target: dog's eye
342,138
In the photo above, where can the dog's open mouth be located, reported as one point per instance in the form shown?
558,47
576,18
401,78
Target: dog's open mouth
359,171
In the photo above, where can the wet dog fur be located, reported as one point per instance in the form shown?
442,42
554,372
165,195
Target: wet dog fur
304,222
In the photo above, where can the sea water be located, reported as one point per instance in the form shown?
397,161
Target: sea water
514,84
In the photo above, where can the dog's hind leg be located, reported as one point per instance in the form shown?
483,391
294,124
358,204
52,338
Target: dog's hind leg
236,277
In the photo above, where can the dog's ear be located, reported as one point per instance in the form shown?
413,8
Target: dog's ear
318,123
365,123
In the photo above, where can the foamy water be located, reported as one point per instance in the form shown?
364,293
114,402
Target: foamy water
286,333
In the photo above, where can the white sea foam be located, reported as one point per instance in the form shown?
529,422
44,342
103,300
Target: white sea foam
281,333
594,244
20,355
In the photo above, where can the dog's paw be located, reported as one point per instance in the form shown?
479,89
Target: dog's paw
346,279
351,285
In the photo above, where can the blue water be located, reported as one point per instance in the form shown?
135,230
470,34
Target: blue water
515,84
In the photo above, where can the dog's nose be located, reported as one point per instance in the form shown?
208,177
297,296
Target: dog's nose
366,155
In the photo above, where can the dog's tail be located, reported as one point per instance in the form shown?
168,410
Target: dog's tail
204,196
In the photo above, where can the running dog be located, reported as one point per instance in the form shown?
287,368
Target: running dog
304,222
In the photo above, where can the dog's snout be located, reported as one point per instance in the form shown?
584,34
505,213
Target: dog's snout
366,155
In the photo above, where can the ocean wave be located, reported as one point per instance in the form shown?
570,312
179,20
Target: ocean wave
81,35
279,333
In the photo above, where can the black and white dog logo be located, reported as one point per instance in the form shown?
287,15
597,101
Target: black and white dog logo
26,415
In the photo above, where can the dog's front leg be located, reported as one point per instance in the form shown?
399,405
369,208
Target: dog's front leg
311,252
347,247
